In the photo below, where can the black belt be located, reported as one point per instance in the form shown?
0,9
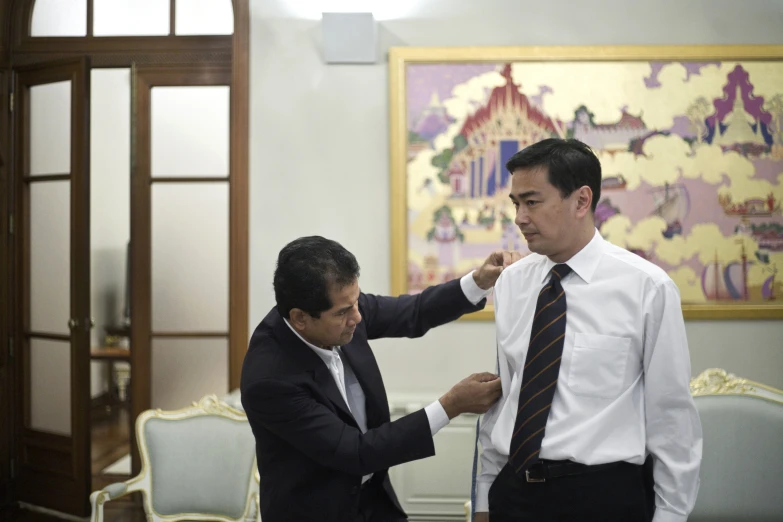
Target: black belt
550,469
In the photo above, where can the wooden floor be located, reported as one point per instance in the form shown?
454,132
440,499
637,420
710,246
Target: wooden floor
111,441
110,514
110,429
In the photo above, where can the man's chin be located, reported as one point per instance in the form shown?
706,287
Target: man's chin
535,246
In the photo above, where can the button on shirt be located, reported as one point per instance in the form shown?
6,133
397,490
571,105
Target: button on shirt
351,390
623,385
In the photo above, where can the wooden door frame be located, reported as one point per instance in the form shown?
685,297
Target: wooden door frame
6,310
18,48
35,479
6,358
145,78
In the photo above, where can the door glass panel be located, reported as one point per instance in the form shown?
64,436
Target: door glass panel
190,257
131,18
50,386
184,370
50,264
204,17
50,128
190,131
59,18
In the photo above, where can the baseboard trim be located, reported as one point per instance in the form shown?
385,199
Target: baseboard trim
52,513
412,517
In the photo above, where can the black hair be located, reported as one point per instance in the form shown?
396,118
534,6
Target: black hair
306,270
570,165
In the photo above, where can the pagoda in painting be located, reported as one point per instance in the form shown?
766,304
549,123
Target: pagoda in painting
739,122
739,126
507,123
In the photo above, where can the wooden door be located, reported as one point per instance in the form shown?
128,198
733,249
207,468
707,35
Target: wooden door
52,276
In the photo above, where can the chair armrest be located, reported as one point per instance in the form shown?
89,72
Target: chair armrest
100,497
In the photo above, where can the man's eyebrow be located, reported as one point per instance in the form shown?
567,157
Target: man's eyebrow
525,195
346,308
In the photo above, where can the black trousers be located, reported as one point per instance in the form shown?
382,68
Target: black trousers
622,493
375,505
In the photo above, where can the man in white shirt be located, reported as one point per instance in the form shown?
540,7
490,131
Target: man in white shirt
314,395
594,364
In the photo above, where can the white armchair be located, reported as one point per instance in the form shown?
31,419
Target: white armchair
197,463
742,458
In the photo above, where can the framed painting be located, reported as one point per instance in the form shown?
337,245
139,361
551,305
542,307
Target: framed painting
690,141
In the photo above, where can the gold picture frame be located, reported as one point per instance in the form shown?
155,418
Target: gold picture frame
719,298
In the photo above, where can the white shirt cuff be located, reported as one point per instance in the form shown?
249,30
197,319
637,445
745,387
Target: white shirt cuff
667,516
471,290
482,496
437,417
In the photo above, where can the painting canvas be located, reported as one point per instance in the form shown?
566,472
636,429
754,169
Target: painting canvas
690,143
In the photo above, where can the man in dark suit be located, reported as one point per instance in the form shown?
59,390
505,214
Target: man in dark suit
314,395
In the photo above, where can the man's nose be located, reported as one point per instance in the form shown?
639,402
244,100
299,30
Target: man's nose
522,217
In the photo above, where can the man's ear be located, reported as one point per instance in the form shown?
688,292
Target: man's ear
298,319
584,201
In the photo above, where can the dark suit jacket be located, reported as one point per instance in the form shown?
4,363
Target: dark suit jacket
311,453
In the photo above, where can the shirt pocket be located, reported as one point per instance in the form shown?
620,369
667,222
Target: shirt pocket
598,364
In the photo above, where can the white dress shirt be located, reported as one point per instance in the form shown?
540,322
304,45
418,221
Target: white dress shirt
623,385
351,390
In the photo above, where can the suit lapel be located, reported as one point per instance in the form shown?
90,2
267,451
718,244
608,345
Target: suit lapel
325,381
309,361
365,367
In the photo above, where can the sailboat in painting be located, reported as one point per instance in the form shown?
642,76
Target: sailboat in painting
671,204
728,281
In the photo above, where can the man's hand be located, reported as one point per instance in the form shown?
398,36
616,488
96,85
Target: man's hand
481,517
474,394
489,272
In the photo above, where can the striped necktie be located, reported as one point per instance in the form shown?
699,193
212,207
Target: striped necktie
542,365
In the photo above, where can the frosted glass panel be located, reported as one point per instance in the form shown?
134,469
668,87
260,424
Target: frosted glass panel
184,370
190,131
50,128
59,18
190,257
131,18
50,256
204,17
50,386
109,194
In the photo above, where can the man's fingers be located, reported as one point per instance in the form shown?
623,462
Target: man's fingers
507,258
494,385
496,258
485,377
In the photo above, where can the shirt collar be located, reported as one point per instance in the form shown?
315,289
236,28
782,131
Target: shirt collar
324,354
584,262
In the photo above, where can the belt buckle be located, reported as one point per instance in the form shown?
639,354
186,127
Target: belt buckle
527,477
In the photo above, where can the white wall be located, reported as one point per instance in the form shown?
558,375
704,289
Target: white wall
319,157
